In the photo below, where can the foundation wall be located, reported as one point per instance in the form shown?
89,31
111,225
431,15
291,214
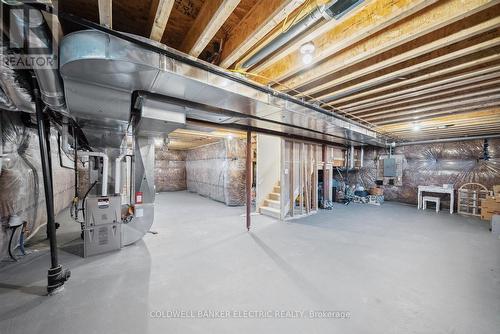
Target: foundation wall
454,163
217,171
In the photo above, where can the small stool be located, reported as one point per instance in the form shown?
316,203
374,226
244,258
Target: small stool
436,200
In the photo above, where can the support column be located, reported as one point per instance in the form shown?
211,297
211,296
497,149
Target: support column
56,275
249,179
325,183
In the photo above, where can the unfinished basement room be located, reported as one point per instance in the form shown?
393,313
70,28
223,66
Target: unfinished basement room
250,166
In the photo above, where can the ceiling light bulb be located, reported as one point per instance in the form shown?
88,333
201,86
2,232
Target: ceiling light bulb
416,127
307,48
307,59
229,137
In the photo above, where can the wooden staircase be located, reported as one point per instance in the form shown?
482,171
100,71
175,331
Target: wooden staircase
272,203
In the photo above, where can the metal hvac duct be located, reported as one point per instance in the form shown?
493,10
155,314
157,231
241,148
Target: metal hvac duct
333,10
51,90
102,73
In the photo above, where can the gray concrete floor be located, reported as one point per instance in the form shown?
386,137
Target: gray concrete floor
393,268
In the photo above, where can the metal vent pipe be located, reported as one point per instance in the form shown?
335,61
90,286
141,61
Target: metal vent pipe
334,9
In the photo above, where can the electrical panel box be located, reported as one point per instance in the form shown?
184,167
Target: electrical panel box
102,229
389,167
390,170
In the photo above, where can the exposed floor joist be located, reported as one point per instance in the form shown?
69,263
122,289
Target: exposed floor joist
159,14
261,19
106,13
211,17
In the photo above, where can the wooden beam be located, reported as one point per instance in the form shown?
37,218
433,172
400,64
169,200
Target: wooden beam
453,87
106,13
374,17
211,17
316,30
453,95
414,53
456,100
259,21
158,18
396,87
465,118
412,69
477,104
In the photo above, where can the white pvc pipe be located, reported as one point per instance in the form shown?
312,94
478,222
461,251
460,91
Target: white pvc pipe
105,164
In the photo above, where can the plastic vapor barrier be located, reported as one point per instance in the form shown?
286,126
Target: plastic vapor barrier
21,180
454,163
218,171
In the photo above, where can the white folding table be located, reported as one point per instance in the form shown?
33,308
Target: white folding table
436,189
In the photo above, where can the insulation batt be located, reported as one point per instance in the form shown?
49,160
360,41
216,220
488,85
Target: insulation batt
454,163
170,170
21,180
218,171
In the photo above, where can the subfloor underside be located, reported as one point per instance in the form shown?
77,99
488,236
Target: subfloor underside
394,269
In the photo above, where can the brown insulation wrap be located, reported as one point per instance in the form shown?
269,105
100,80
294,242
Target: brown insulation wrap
218,171
170,170
21,179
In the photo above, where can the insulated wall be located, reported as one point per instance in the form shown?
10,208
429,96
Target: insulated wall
218,171
21,179
454,163
170,170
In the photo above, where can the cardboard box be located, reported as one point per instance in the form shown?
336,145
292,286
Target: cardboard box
496,190
376,191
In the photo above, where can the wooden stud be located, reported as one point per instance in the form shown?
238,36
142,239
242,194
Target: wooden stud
211,17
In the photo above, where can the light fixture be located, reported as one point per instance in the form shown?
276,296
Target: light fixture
229,136
307,59
307,48
416,127
307,51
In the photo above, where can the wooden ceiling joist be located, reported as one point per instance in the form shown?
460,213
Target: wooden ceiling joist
158,18
430,113
106,13
454,93
414,53
464,118
396,88
211,17
261,19
418,94
434,104
392,75
342,42
374,17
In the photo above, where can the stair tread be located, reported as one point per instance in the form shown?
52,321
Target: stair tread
270,209
273,201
